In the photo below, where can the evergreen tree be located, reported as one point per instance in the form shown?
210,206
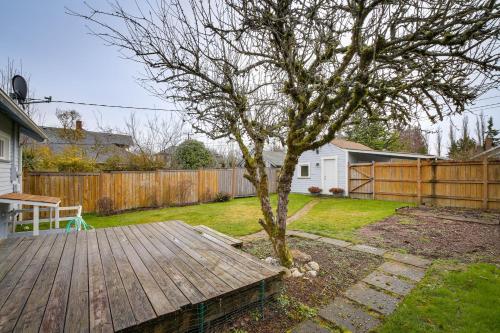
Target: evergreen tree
192,154
372,133
492,132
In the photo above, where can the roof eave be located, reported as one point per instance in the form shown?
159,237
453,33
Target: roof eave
388,153
19,116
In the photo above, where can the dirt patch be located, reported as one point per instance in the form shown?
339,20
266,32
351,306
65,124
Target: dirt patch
301,297
435,237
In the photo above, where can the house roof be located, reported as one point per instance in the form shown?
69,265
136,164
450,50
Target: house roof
88,138
346,144
275,158
493,152
361,148
14,112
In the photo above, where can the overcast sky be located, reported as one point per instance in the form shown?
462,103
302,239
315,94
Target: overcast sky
67,63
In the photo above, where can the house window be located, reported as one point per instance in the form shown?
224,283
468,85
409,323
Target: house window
4,147
304,170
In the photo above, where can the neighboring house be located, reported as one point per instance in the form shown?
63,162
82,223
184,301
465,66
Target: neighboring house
167,156
13,122
327,166
490,151
98,146
272,158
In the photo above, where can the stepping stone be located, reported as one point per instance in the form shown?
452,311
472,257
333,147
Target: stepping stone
302,234
408,259
375,300
368,249
348,315
389,282
309,326
409,272
333,241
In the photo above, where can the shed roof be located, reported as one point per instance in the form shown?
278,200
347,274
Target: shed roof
346,144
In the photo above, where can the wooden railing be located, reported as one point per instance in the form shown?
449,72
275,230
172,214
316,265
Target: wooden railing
471,184
126,190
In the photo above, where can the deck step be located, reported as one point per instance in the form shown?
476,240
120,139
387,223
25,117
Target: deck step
218,237
349,315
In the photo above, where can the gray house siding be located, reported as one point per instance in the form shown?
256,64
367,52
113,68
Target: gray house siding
313,158
9,169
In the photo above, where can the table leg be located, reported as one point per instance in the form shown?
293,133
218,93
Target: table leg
36,220
57,217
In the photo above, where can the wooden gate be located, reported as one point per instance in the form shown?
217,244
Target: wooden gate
361,180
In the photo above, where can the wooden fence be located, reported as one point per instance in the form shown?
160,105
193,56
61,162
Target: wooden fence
471,184
139,189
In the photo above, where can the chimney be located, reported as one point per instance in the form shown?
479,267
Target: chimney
78,125
488,142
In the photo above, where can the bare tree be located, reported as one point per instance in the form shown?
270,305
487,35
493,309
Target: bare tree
480,129
6,75
153,135
439,142
297,70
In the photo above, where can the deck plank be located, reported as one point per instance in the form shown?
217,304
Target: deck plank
77,315
14,274
243,258
248,272
55,311
121,310
218,235
32,314
194,277
186,286
13,306
205,255
159,301
217,282
7,246
142,308
99,309
13,257
169,288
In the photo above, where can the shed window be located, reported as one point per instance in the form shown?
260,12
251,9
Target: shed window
304,170
4,147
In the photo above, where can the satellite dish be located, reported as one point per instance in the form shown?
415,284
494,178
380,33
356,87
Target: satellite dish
20,88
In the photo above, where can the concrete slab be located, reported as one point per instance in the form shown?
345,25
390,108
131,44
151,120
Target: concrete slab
309,326
389,282
409,272
375,300
348,315
368,249
333,241
302,234
408,259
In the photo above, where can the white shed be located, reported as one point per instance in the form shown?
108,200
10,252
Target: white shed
327,166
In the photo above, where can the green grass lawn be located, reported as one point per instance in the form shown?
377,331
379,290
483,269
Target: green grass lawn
237,217
463,300
339,218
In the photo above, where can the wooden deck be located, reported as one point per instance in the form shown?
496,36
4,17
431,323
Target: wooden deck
150,277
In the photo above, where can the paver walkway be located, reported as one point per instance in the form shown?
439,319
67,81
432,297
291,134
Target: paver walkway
363,306
301,212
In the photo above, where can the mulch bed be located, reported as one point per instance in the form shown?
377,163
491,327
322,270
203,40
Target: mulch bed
301,297
435,237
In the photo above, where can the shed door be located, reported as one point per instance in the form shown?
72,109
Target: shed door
329,174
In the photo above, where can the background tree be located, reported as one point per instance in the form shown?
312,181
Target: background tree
192,154
492,132
298,70
439,142
68,131
480,129
413,139
373,133
465,147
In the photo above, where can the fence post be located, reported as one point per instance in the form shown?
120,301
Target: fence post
419,182
233,182
485,183
348,185
199,184
373,180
